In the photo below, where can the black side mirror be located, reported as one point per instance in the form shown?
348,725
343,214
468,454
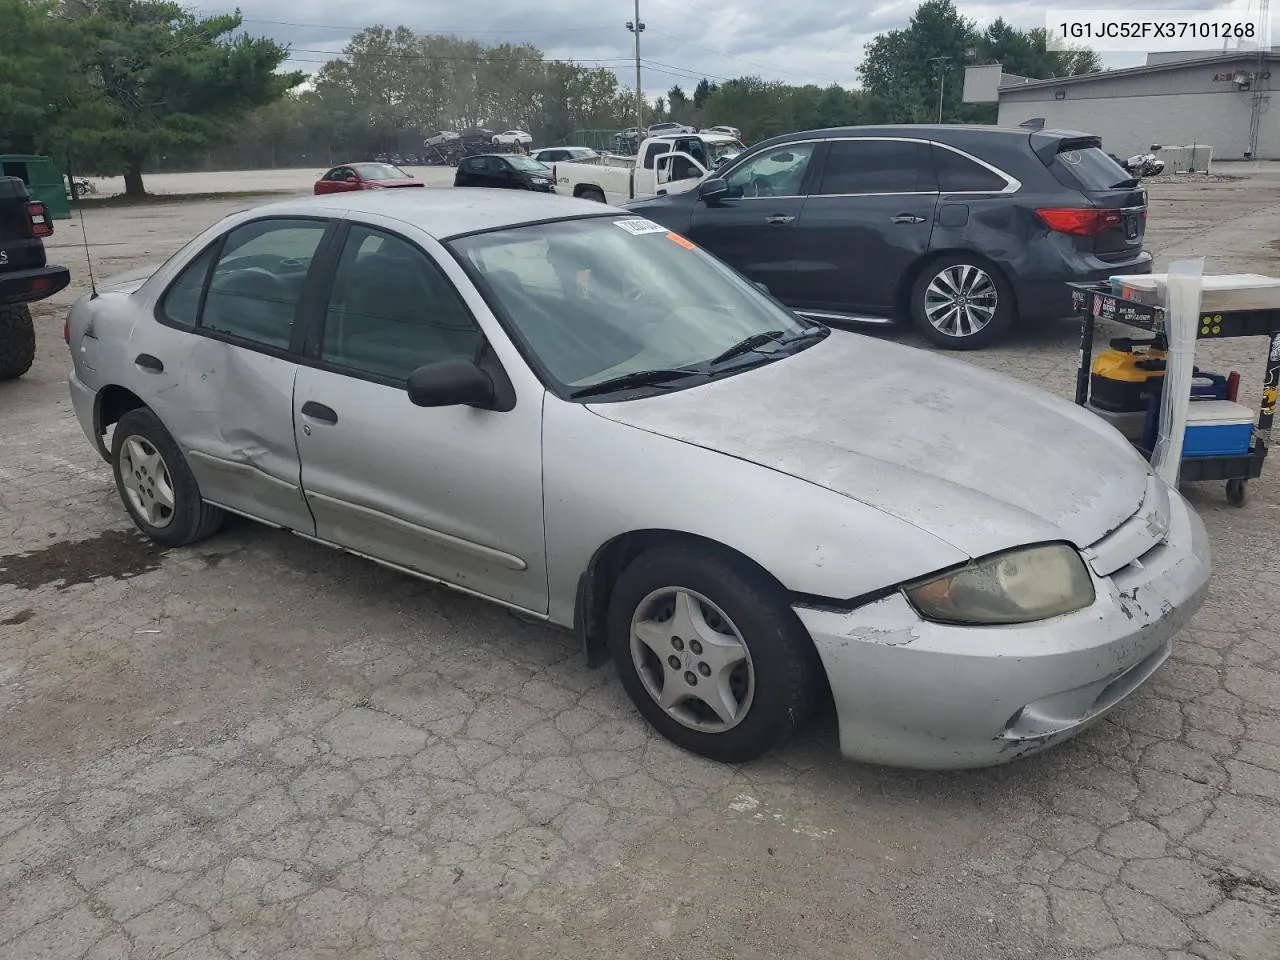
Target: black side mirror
450,383
713,189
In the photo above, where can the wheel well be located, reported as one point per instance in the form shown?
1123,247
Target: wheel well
112,403
902,299
583,189
595,586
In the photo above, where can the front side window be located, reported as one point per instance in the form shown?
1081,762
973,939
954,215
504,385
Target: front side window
257,283
600,298
392,311
872,166
779,172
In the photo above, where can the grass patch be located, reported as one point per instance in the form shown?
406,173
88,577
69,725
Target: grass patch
121,200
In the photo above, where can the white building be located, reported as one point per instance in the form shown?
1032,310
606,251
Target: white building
1222,100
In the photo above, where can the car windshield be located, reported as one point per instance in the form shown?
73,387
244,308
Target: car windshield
528,164
379,171
601,298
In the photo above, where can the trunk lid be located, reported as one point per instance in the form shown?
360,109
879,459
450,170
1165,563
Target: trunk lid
1118,226
977,459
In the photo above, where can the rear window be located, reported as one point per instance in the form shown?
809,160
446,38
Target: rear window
1092,168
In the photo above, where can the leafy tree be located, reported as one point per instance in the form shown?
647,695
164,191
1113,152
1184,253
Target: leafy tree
169,80
678,103
907,71
702,92
44,99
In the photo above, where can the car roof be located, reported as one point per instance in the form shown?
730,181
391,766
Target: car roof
443,212
943,132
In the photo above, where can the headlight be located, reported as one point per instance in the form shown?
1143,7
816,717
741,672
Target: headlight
1018,586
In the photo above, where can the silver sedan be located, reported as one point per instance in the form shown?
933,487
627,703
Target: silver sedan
573,412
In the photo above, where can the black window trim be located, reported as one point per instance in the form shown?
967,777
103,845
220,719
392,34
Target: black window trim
309,352
305,302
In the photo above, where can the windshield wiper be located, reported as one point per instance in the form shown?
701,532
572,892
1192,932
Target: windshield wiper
757,340
640,378
753,342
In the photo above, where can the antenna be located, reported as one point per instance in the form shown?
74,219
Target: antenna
84,234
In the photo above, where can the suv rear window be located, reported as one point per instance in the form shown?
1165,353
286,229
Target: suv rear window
1091,167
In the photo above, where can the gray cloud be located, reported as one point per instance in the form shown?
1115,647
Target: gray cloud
796,41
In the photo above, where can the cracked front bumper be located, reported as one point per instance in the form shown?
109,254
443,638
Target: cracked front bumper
913,693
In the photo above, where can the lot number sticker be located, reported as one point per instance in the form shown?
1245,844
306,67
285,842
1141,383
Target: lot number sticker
638,227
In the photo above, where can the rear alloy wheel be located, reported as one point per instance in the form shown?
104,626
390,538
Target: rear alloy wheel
710,653
959,304
156,485
17,341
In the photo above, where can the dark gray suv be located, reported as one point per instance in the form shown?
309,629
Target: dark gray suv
964,229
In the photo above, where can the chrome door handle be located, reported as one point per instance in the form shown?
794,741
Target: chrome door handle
779,218
907,218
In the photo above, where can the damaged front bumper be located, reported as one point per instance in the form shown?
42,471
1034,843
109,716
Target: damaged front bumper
914,693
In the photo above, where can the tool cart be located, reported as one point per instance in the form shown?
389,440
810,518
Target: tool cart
1102,301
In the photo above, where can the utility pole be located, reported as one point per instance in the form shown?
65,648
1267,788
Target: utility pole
637,27
942,80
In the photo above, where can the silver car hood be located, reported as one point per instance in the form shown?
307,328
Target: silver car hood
977,459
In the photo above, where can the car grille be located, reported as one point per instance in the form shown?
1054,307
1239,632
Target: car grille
1137,537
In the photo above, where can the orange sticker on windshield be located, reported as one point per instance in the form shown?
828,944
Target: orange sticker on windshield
677,239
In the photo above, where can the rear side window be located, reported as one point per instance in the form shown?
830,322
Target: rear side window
959,174
180,305
1092,168
872,166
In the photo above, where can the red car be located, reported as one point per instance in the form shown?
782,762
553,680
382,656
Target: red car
364,176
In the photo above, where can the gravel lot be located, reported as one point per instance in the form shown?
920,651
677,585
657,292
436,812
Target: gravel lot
258,748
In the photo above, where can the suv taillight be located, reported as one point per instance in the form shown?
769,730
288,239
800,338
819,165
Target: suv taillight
1082,222
38,219
66,330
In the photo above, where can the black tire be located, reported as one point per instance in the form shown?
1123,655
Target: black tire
781,654
191,519
593,193
17,341
994,330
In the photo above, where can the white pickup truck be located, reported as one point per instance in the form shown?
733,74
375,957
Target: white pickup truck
667,164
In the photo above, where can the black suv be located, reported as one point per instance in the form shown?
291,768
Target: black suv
25,276
505,172
962,228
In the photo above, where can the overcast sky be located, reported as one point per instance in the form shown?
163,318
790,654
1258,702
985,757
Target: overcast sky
796,41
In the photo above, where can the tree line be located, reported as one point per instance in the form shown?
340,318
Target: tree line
119,86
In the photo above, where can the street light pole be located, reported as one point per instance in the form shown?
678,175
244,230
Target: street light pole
637,27
942,80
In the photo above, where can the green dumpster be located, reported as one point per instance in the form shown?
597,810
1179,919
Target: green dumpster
44,182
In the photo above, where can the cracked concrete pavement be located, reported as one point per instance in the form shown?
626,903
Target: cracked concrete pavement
258,748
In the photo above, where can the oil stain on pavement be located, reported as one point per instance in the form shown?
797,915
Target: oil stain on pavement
118,554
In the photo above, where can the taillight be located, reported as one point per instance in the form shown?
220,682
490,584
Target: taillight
38,220
1082,222
66,330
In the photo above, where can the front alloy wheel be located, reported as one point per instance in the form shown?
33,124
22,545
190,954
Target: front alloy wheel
710,651
692,660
